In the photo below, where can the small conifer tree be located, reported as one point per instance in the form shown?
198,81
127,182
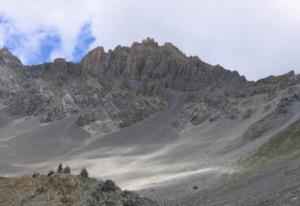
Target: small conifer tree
60,168
84,173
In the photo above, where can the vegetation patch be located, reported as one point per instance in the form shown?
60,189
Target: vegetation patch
253,134
283,145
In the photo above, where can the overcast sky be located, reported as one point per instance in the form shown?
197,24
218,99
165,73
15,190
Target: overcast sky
256,37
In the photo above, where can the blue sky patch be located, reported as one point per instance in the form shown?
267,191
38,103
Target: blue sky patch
45,41
12,39
2,19
47,44
84,40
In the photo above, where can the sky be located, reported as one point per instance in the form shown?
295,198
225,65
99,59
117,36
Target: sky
257,38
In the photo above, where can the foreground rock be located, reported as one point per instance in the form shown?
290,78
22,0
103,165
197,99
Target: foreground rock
65,189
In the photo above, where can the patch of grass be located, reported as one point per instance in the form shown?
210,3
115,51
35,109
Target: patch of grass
286,143
3,178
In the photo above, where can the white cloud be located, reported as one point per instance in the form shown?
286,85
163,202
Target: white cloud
257,38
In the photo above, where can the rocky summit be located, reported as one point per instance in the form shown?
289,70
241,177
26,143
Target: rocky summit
169,126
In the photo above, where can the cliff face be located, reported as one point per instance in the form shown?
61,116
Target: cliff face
165,65
12,75
124,85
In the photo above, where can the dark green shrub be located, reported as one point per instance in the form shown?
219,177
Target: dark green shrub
84,173
50,173
67,170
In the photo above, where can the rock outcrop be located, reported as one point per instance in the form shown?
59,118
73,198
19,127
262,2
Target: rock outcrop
65,189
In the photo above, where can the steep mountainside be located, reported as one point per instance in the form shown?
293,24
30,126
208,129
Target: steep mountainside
172,127
120,87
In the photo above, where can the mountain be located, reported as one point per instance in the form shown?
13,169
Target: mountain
170,126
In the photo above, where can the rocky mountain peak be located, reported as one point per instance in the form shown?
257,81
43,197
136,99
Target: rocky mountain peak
283,80
59,64
59,61
93,58
146,43
148,61
169,46
7,57
142,72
